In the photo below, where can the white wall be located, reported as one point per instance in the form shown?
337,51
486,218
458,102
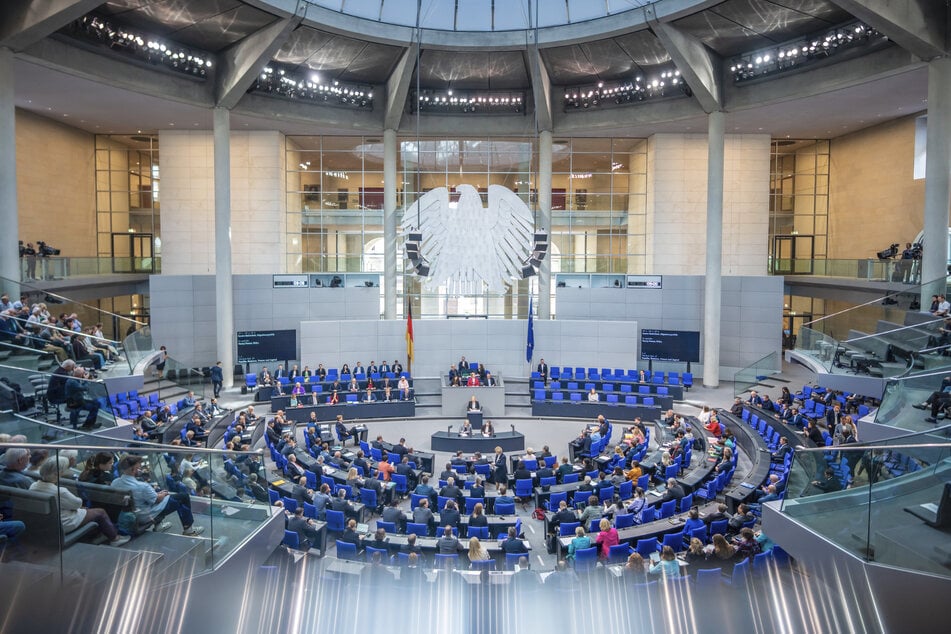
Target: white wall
258,207
677,204
498,344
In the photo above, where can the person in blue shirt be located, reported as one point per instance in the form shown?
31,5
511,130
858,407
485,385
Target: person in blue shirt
154,505
503,496
692,523
668,564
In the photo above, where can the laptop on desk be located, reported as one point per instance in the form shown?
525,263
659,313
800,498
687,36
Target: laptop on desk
935,515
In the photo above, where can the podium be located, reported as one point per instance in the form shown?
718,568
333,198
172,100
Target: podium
475,419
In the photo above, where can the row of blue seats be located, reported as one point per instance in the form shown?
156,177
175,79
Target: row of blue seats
580,397
607,374
605,388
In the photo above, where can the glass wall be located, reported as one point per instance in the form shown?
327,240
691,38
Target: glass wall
127,200
798,204
335,203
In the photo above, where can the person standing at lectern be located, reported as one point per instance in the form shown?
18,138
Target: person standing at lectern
473,405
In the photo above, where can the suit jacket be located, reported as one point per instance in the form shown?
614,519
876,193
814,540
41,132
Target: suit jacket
447,545
543,369
449,517
300,494
384,369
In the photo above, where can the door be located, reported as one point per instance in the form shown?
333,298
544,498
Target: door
793,254
132,253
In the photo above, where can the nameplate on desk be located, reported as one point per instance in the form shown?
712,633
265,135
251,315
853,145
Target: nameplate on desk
653,492
278,483
747,485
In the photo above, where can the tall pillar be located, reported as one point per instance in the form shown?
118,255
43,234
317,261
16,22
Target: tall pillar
937,191
544,221
9,219
224,292
390,187
712,282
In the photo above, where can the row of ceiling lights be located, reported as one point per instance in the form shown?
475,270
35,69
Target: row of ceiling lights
142,46
795,54
275,80
668,83
467,102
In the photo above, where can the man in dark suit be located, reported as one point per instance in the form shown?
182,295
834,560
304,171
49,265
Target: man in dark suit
301,493
304,527
490,380
674,491
372,369
459,460
564,514
422,515
451,491
795,418
543,370
393,514
522,472
544,471
834,417
340,503
447,544
403,469
513,544
384,368
780,454
400,448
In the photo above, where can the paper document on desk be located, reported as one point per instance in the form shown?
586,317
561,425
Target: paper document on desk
930,506
228,511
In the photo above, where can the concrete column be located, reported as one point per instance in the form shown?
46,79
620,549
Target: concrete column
544,221
711,286
224,292
390,187
937,190
9,213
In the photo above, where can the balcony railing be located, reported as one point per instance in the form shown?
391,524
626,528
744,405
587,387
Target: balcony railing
36,269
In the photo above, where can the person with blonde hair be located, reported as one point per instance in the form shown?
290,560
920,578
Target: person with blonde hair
668,564
476,551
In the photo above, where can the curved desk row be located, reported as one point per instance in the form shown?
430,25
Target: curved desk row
452,442
584,409
742,486
351,411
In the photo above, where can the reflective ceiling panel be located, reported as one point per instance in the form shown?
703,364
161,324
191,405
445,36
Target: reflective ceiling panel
737,26
610,59
339,57
209,25
499,70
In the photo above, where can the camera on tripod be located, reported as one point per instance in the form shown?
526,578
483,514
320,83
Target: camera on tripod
46,250
916,249
889,253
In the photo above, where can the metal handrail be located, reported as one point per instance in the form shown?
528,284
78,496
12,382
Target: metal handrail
856,446
150,448
61,329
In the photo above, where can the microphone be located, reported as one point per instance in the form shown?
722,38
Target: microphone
513,428
449,430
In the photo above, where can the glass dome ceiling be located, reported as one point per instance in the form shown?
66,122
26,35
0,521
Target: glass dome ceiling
481,15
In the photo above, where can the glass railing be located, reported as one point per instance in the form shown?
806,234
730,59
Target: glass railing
138,344
879,502
754,373
62,268
901,396
873,270
186,378
66,401
155,511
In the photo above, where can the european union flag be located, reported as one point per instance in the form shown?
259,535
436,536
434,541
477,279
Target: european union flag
530,344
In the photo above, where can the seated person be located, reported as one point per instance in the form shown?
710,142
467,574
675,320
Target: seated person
512,543
342,432
448,543
152,505
488,429
71,511
593,396
466,429
473,380
304,527
198,426
403,387
369,396
503,497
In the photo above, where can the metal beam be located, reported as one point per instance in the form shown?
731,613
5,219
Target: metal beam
240,63
541,87
918,26
698,65
27,21
397,88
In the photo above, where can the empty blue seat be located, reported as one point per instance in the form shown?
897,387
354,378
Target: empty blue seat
420,530
646,546
389,527
630,400
576,397
568,528
557,396
667,509
291,540
572,385
648,401
346,550
586,559
539,395
618,554
505,509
